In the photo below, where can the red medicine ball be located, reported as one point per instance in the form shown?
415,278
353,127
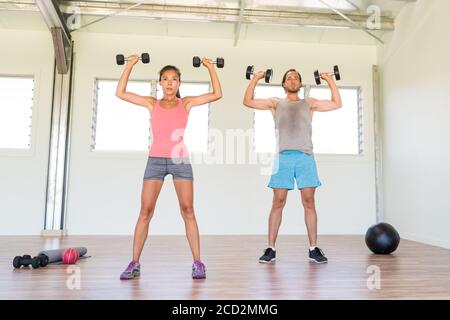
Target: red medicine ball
70,256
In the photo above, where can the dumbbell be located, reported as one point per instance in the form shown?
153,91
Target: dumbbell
120,58
335,73
196,61
251,69
36,262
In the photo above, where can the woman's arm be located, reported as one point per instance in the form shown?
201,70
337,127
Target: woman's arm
121,91
216,94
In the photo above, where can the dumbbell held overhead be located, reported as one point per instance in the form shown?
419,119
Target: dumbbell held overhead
251,70
120,58
335,73
196,62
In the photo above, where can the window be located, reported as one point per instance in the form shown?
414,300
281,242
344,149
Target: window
196,134
119,125
336,132
16,105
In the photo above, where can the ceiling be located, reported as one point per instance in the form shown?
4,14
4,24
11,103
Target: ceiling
285,20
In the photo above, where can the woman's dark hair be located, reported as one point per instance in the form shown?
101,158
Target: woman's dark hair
170,67
285,75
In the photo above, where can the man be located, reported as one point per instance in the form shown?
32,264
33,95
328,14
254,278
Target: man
295,158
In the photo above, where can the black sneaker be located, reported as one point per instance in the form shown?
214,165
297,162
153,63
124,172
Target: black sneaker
268,256
317,256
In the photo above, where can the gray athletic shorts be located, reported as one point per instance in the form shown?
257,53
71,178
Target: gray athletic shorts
158,168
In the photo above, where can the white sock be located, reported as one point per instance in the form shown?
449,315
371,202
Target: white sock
273,248
312,248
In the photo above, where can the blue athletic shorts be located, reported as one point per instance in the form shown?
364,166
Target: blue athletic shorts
293,164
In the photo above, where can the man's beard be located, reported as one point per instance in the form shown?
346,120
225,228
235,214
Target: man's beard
292,91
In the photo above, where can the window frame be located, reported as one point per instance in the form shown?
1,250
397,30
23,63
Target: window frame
153,82
361,126
30,151
360,119
93,120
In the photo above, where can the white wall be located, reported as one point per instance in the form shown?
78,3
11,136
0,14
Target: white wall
416,83
23,174
104,190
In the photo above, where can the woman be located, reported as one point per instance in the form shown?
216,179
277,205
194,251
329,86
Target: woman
168,155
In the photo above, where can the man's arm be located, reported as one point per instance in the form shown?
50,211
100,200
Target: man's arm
261,104
327,105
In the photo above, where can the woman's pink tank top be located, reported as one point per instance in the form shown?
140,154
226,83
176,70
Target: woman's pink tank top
168,126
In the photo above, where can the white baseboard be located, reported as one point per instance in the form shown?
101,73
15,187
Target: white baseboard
443,243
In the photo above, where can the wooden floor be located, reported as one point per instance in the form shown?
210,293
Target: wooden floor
415,271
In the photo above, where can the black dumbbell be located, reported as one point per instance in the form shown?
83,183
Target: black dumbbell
120,58
335,73
251,69
196,61
26,260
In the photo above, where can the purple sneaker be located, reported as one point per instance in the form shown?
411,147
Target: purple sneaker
198,270
132,271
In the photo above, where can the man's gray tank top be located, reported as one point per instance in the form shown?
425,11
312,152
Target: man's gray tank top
293,121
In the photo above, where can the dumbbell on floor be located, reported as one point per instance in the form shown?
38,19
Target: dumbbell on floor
120,58
251,69
196,62
26,260
335,73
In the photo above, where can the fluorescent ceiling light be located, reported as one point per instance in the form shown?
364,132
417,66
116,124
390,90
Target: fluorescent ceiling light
324,26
